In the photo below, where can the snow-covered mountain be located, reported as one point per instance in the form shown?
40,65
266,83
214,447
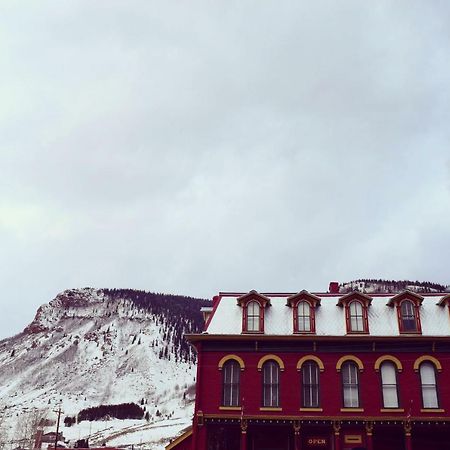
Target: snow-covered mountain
91,347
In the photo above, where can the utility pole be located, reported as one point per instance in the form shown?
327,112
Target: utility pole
57,426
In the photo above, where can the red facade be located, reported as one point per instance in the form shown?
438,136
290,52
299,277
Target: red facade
366,383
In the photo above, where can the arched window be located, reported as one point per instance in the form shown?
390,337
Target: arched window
271,384
350,384
253,316
304,317
310,385
389,384
429,386
408,317
231,377
356,317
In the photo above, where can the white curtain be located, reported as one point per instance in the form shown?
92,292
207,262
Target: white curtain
389,383
428,380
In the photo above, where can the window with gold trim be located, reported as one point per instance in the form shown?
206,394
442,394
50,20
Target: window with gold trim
231,373
389,384
350,384
310,385
271,384
429,385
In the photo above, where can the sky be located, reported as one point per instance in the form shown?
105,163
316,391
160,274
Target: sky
196,147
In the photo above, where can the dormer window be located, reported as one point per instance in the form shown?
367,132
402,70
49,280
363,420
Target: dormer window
253,306
304,317
407,304
408,317
356,317
303,307
356,307
253,316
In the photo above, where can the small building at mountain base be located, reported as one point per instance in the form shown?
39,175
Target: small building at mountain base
307,371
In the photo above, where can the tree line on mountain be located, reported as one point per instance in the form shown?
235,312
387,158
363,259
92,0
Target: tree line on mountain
177,315
397,285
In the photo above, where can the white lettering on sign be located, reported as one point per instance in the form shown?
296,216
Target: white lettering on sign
318,442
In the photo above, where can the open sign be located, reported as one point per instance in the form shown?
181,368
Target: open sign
317,442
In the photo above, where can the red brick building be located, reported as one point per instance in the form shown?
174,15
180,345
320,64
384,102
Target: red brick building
305,371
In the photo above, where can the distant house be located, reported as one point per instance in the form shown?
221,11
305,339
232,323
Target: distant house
50,437
306,371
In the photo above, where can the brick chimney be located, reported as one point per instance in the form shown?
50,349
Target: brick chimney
333,288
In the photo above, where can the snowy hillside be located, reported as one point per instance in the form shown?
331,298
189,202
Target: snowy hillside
89,347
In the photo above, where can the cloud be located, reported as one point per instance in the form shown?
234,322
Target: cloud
204,147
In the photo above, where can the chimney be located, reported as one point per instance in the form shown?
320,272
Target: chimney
333,287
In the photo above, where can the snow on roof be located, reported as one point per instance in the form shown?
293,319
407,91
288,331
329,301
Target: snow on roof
330,318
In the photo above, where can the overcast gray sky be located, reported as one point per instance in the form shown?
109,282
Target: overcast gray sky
191,147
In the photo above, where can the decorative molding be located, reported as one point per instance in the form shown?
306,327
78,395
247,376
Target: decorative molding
236,358
267,408
391,358
230,408
268,358
353,358
392,410
314,358
429,358
352,410
311,409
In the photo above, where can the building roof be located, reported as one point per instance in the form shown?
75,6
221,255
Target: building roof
329,317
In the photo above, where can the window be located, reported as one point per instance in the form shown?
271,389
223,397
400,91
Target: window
310,385
429,387
253,306
303,307
231,376
356,317
350,384
253,316
304,317
356,311
389,385
408,317
271,384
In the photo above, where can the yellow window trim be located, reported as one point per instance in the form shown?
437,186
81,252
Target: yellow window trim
226,358
267,408
311,409
268,358
314,358
391,358
352,409
230,408
346,358
429,358
392,410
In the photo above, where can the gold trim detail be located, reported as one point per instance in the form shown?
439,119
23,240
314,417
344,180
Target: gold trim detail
432,410
392,410
314,358
423,358
179,439
230,408
391,358
226,358
267,408
268,358
345,358
352,409
311,409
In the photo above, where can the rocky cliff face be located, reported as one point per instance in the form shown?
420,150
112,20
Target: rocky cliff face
89,347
